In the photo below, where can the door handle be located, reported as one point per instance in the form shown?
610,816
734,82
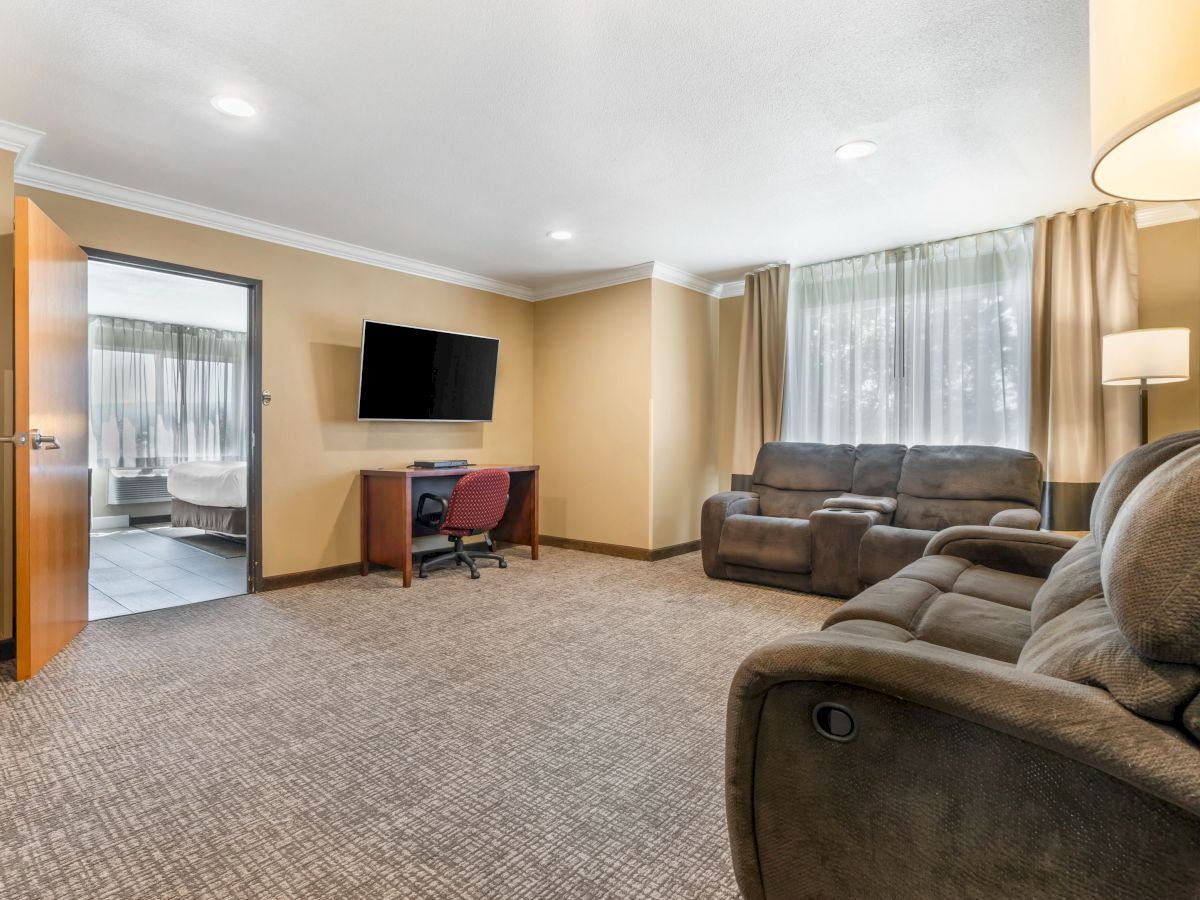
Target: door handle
44,441
20,439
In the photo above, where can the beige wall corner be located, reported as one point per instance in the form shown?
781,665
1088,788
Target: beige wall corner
313,307
683,363
1169,295
729,344
7,497
591,423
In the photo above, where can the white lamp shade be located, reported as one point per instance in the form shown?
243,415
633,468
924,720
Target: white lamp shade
1145,76
1153,355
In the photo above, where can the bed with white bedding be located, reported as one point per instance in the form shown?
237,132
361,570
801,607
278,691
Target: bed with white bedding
208,494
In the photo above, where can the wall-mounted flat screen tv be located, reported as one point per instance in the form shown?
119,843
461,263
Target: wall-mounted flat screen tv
411,374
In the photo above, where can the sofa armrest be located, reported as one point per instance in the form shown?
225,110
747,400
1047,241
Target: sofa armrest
713,514
1005,725
836,536
1015,550
1022,517
885,506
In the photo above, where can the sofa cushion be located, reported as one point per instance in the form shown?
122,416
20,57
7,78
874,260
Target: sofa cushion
1073,579
1149,565
877,469
886,549
926,602
964,485
766,542
1085,645
1127,473
790,504
1006,588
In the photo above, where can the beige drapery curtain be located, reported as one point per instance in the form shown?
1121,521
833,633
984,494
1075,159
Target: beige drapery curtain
758,410
1084,287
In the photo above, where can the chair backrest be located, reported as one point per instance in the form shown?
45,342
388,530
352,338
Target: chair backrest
478,501
964,485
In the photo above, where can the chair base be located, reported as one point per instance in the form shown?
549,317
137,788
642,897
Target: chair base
459,555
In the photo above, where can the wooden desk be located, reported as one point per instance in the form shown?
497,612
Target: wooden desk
389,499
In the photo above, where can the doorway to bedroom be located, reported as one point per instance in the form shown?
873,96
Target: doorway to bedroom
173,392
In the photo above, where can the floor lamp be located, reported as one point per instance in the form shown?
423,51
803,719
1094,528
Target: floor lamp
1144,357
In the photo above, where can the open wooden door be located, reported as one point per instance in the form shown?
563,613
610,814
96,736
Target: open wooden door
50,412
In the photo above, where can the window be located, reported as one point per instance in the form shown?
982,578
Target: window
924,345
164,393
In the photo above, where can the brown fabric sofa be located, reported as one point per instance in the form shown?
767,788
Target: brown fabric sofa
1016,714
832,518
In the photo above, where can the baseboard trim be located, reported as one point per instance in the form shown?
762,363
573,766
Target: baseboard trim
639,553
674,550
309,576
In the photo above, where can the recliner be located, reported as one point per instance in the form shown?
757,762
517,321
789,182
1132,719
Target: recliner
1025,711
832,518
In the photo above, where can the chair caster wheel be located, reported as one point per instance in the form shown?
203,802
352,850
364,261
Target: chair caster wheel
504,564
474,574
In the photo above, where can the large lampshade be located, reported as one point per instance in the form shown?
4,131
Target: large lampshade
1145,74
1150,355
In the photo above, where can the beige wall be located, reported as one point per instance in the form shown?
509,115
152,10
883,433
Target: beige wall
313,307
728,347
1169,294
683,379
591,423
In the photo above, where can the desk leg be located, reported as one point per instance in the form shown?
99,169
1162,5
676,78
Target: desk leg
406,541
364,525
533,516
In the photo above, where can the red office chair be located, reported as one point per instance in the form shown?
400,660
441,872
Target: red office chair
476,505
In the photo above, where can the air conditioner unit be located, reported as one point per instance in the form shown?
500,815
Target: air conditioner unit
137,486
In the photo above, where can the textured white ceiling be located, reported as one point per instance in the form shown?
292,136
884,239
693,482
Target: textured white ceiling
696,132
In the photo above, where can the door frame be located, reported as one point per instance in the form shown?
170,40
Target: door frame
254,573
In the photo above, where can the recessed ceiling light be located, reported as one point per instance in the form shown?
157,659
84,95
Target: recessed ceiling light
559,235
233,106
855,150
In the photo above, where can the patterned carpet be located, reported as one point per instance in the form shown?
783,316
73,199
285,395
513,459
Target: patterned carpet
552,730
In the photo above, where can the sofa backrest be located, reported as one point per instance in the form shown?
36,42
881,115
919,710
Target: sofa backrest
1128,472
877,469
964,485
792,479
1139,638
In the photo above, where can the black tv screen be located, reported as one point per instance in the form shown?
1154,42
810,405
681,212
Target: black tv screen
411,374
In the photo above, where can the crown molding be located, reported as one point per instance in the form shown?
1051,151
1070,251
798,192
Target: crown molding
613,277
1166,213
37,176
672,275
25,141
20,140
733,289
596,281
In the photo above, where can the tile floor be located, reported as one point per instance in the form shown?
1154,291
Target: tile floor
134,571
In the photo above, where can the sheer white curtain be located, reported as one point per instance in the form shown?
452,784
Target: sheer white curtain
924,345
839,375
162,393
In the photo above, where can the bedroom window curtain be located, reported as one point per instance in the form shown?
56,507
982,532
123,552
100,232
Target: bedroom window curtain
162,393
927,344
